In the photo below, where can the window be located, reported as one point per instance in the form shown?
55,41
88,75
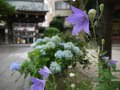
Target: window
62,5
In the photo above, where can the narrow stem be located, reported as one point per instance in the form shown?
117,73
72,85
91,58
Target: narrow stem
54,81
93,28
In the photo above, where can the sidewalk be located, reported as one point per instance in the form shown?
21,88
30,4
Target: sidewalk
22,45
92,71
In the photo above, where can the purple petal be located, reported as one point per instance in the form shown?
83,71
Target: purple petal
105,58
74,18
44,72
86,27
36,87
76,10
112,62
77,28
37,84
34,80
15,66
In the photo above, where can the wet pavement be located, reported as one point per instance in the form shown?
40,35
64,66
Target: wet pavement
12,53
9,54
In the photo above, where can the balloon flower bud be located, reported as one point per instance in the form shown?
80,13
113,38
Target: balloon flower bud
101,7
103,41
92,14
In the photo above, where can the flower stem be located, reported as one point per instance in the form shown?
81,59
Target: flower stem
54,81
93,28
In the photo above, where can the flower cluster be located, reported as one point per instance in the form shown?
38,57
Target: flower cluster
60,53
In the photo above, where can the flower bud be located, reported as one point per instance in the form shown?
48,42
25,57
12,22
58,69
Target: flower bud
92,14
103,41
73,0
101,7
72,85
72,74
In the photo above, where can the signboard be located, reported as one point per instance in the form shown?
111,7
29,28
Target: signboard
24,26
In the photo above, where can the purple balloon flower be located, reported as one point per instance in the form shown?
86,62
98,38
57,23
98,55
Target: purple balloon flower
112,62
80,21
15,66
37,84
44,72
105,58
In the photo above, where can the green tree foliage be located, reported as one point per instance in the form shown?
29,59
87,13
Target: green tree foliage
57,23
6,8
51,31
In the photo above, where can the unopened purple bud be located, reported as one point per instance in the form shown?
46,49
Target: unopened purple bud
105,58
112,62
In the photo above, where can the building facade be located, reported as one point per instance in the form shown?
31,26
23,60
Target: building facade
57,8
22,27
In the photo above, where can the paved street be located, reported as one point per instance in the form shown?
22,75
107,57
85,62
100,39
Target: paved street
9,54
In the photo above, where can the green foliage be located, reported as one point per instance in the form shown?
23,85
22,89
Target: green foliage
105,76
44,52
67,37
6,8
51,31
57,23
59,18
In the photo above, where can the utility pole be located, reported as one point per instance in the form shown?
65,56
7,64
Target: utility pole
107,27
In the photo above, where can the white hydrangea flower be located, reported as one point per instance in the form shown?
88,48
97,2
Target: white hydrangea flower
72,74
51,45
59,54
46,39
61,44
68,45
43,47
55,67
77,51
68,54
33,44
39,40
70,67
73,85
55,39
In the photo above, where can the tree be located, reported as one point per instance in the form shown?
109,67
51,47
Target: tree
79,3
6,8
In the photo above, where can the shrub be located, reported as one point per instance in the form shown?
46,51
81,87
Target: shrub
57,23
51,31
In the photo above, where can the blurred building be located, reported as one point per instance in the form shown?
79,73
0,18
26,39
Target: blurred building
22,27
57,8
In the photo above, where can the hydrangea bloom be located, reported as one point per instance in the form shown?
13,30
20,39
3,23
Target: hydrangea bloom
15,66
80,21
77,51
51,45
55,67
44,72
46,39
39,40
59,54
37,84
43,47
68,54
68,45
55,39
